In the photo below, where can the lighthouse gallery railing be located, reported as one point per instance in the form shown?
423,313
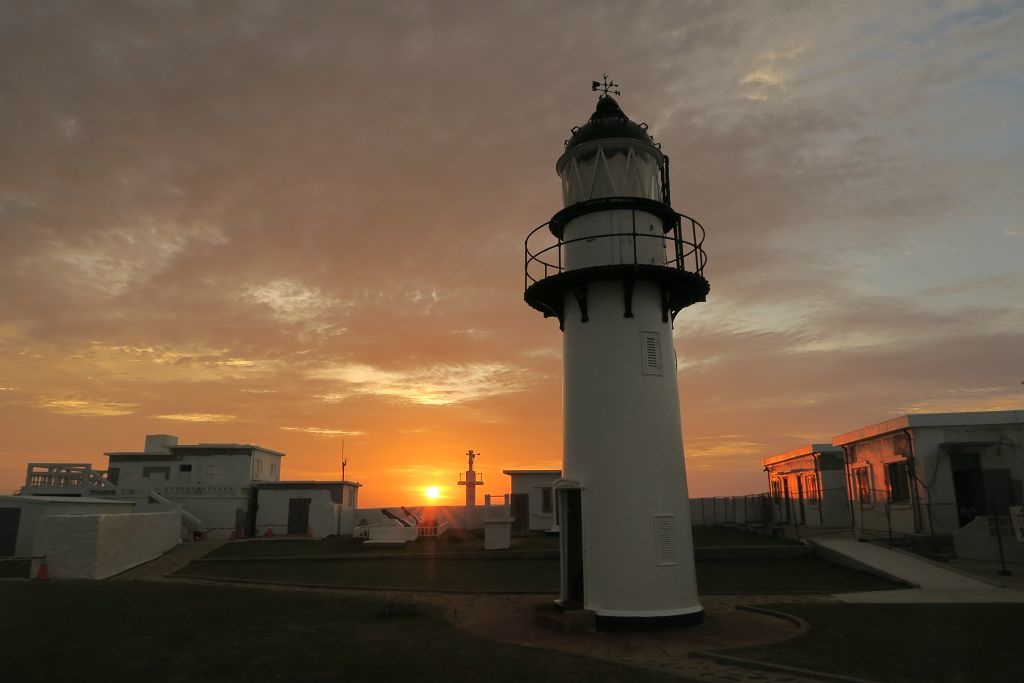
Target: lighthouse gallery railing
685,236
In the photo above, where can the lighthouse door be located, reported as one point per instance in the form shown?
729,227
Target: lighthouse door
572,548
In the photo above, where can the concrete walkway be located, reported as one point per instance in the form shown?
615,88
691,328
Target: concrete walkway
933,582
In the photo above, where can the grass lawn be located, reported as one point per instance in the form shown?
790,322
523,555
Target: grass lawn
122,631
424,572
789,575
456,541
410,572
956,643
724,536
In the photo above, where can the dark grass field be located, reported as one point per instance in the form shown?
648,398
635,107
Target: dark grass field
449,573
894,643
124,631
456,542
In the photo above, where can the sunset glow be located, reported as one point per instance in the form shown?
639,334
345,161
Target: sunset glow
301,225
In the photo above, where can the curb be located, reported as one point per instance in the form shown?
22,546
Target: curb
776,668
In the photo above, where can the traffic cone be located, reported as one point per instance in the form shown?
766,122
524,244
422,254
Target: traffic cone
269,534
43,574
234,535
309,532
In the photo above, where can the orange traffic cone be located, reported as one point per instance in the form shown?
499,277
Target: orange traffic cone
43,574
269,534
309,532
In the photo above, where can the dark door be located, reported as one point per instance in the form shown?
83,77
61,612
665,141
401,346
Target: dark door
9,520
967,486
786,502
298,515
572,548
800,500
521,513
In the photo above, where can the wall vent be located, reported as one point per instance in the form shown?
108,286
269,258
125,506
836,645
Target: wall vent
650,343
665,540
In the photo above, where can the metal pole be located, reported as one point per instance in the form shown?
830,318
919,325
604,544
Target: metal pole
999,542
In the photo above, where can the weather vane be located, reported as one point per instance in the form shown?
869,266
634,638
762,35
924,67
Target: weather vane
605,86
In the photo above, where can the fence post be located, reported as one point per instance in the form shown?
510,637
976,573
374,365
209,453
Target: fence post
999,541
888,519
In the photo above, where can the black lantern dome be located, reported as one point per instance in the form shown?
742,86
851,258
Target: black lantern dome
608,121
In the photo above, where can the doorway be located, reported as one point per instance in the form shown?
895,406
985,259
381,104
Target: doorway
571,506
298,515
521,513
10,519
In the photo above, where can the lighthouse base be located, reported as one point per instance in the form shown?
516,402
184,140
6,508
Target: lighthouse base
650,623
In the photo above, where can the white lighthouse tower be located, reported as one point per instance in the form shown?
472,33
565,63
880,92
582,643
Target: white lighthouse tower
614,267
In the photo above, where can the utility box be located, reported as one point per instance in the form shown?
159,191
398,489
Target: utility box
498,533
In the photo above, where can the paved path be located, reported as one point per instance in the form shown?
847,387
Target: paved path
933,581
168,563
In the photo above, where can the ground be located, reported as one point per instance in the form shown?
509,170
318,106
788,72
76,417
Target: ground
468,615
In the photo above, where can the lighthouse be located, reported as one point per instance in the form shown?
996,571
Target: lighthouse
614,267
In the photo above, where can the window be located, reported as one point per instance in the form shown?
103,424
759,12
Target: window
897,476
113,474
776,491
184,468
862,484
811,489
545,500
155,471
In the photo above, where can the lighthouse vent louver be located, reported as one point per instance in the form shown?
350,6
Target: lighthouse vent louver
650,349
665,539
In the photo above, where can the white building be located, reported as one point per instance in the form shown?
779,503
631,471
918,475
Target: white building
614,267
808,486
933,473
216,483
533,499
319,508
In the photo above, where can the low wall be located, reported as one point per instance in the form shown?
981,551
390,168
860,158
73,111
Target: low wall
98,546
457,516
975,541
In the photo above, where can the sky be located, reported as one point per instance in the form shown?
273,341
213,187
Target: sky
301,224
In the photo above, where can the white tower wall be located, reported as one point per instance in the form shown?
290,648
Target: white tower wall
623,445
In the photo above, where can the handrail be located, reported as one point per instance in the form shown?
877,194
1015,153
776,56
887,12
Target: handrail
688,254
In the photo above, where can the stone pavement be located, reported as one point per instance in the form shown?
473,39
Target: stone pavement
168,563
933,581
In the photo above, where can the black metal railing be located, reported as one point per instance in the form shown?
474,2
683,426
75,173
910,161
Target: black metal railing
684,242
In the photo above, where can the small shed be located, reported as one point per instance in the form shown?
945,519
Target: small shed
533,499
319,508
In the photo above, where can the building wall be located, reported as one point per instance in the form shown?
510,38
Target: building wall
272,513
542,517
809,489
161,472
999,447
98,546
33,510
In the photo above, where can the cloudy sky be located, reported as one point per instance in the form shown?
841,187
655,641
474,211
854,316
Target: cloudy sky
298,223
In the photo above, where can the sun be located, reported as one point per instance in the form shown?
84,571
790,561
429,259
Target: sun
432,492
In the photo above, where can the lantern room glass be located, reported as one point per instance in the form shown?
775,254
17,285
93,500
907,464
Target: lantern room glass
611,168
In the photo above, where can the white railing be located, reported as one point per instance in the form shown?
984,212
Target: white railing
432,531
67,475
188,520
